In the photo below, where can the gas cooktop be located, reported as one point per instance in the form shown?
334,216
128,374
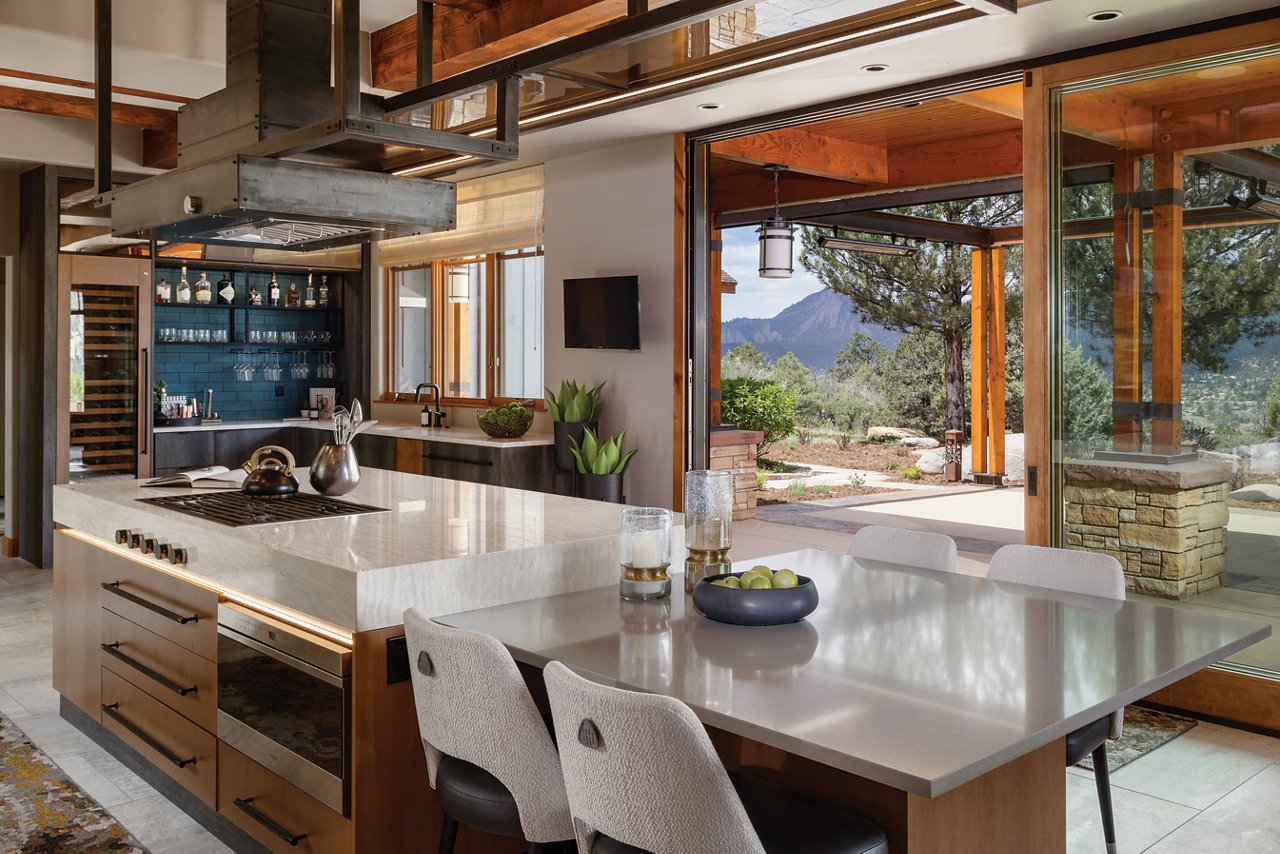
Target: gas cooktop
237,509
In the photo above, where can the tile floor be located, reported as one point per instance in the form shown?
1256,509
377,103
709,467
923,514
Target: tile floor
1213,789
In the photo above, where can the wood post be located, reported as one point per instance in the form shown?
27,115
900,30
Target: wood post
1126,347
1166,308
987,360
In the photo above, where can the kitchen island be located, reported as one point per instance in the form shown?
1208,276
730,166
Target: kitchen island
147,598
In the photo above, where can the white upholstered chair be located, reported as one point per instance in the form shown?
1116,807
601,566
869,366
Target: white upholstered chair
1087,574
643,778
899,545
490,755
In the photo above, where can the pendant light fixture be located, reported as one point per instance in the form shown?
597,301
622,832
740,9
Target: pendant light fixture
776,238
457,284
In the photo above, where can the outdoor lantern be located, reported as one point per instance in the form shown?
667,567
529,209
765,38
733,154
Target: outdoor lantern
458,284
776,239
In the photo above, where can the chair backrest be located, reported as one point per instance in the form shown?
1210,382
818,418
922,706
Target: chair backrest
899,545
652,780
1085,573
473,705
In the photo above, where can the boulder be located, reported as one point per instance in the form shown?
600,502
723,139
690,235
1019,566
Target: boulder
1257,492
920,442
893,433
1014,458
930,462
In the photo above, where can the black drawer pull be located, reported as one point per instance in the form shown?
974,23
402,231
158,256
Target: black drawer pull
246,806
113,712
113,650
114,587
457,460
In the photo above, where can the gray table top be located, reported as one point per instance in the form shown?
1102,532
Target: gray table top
916,679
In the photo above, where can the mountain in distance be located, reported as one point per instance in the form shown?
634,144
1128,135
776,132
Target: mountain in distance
815,328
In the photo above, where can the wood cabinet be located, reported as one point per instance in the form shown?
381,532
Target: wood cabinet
496,465
275,813
175,452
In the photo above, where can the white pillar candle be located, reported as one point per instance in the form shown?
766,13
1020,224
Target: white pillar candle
646,549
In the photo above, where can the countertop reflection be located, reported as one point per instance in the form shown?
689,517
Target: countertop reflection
916,679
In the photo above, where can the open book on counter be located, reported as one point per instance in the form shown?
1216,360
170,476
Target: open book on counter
209,477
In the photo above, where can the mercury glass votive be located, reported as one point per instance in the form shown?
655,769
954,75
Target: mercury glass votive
708,514
644,550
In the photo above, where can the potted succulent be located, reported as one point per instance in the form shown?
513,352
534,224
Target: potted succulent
601,465
157,399
574,410
509,421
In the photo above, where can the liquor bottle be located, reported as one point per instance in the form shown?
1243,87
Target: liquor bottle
255,296
204,290
310,299
162,292
226,291
183,296
292,299
324,291
273,291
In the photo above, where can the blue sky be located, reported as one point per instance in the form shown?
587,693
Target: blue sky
757,297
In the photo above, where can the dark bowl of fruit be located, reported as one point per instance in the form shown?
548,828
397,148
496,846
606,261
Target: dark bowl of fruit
510,421
757,597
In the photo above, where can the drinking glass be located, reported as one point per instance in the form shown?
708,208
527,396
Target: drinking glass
708,515
644,550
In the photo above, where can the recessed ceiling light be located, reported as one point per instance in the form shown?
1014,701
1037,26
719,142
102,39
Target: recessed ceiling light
1101,17
1220,72
709,106
874,67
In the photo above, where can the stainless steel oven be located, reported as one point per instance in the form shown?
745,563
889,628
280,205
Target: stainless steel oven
284,700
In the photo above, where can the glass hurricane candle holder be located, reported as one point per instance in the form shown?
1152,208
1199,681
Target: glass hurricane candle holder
708,515
644,550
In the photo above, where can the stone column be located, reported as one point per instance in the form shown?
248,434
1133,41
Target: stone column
1166,524
735,450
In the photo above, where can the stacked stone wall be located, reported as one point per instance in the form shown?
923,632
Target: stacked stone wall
741,460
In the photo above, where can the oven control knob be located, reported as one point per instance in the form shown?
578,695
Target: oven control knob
122,536
177,556
149,546
135,541
162,551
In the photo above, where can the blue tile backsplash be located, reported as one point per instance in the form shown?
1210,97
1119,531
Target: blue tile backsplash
189,369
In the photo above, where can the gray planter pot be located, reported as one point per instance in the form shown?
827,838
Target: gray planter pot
564,430
601,487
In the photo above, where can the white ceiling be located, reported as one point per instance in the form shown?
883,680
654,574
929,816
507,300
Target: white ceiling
177,47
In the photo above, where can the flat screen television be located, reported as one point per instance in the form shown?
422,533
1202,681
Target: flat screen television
602,313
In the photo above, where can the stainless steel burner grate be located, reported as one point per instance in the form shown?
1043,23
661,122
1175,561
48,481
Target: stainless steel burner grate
237,509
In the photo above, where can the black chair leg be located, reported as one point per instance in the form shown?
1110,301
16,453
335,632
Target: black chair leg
448,835
1102,777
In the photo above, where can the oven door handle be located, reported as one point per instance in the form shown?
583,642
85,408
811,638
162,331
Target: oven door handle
282,657
246,806
113,650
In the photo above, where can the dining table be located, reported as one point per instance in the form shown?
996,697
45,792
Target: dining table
935,703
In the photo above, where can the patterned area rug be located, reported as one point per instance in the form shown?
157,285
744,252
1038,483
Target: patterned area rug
1144,731
42,811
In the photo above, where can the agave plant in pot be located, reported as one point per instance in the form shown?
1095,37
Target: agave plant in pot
601,465
574,410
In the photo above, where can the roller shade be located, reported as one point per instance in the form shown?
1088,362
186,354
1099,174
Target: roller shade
495,213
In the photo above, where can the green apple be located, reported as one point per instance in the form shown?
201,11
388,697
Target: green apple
785,578
752,573
762,569
759,582
729,581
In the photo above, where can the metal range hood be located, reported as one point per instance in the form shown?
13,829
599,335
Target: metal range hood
264,203
286,156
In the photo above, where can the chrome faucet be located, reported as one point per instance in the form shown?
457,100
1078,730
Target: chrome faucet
433,415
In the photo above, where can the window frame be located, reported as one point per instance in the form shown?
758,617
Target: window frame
492,264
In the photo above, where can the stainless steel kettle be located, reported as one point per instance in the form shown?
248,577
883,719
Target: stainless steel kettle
268,477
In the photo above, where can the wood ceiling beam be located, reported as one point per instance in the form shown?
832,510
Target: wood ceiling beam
810,154
754,190
76,107
1194,219
467,38
1002,100
88,84
957,161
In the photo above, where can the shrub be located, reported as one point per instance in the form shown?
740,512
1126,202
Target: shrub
912,473
857,480
759,405
891,467
804,436
795,488
843,441
822,489
761,479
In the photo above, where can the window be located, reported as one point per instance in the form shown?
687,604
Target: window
471,325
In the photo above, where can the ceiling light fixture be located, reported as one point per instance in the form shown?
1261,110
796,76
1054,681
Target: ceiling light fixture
776,238
848,244
1104,15
875,67
704,77
1256,201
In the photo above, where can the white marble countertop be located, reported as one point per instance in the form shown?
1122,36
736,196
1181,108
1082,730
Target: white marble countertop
460,435
443,545
918,680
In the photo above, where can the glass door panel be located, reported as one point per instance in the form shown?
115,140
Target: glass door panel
104,382
465,351
1167,333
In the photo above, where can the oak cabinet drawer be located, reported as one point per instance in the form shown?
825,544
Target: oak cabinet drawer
175,609
177,677
163,737
274,812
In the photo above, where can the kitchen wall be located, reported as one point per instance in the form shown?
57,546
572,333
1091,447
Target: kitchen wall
610,212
